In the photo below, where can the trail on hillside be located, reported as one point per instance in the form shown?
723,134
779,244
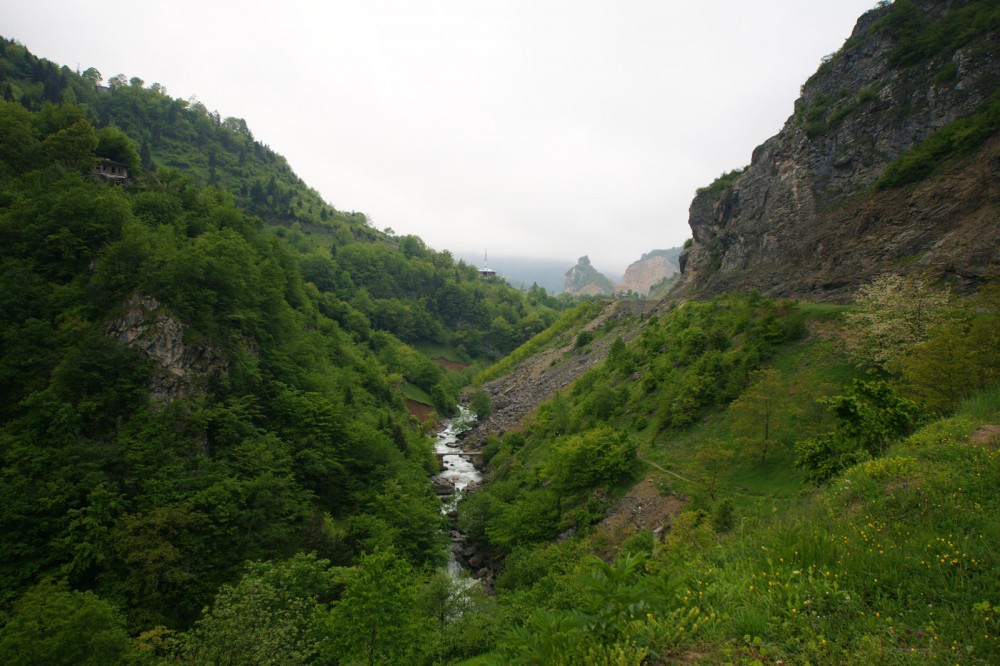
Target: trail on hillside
646,461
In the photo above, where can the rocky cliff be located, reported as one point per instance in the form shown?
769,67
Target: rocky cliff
651,269
585,280
180,368
821,209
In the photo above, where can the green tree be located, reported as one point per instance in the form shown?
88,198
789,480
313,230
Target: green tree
761,412
273,615
52,624
870,416
713,460
376,620
961,355
597,457
481,404
73,146
114,144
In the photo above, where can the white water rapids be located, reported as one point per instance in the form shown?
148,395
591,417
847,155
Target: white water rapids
457,469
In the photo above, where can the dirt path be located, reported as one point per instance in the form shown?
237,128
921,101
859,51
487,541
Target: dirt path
652,464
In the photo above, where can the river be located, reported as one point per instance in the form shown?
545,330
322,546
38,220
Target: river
457,470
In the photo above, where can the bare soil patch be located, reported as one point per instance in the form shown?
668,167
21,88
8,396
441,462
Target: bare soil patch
643,507
988,436
419,410
448,364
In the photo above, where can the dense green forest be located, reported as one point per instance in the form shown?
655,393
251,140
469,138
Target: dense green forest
206,455
204,367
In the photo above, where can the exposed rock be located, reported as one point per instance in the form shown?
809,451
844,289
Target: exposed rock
443,486
585,280
799,220
644,507
652,268
987,436
541,376
181,368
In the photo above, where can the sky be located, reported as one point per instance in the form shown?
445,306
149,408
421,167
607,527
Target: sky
528,128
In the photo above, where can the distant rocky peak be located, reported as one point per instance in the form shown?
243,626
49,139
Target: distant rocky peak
585,280
652,268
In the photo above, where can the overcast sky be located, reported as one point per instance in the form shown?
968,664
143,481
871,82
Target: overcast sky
542,128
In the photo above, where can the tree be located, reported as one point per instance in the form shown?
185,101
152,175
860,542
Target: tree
52,624
597,457
73,146
892,314
273,615
92,75
760,412
871,415
377,620
619,357
712,461
481,404
960,355
114,144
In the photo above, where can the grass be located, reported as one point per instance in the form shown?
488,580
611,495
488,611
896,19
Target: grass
813,368
571,319
894,562
435,350
417,394
956,139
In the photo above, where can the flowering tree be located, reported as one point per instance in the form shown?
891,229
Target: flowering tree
893,313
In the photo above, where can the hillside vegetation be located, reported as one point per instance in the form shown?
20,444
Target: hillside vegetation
192,381
206,455
744,483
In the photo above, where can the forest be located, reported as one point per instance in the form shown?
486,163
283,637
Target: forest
218,395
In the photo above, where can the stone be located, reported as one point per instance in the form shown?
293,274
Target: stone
181,369
800,222
443,486
652,268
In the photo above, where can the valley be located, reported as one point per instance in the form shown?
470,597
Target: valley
237,427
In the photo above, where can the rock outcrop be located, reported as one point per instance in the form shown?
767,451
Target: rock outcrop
651,269
585,280
180,367
804,219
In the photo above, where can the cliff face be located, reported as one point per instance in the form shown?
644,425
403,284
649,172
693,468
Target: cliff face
803,220
179,368
652,268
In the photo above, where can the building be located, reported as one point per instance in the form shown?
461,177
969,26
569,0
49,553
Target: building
486,272
110,171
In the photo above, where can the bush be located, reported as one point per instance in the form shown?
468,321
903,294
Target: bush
481,404
597,457
960,137
723,515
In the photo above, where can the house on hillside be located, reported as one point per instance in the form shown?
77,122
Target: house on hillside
110,171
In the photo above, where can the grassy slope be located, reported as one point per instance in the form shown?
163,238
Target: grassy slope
893,562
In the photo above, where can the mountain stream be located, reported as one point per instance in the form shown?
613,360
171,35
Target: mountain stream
458,473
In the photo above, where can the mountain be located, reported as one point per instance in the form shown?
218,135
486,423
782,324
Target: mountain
890,161
203,363
651,269
585,280
206,455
